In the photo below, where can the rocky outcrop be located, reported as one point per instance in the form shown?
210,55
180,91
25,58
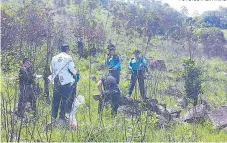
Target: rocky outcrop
219,117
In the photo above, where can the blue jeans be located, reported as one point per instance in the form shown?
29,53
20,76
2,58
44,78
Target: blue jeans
140,77
61,95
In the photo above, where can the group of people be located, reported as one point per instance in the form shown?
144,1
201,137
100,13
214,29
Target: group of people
64,77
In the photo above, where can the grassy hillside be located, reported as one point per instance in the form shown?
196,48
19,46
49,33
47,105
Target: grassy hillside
141,128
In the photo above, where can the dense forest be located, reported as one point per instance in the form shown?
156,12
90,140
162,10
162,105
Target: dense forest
185,54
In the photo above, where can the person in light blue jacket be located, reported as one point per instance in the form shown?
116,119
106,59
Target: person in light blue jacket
137,66
113,63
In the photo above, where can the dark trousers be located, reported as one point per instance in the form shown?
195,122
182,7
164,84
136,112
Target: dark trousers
115,74
61,95
113,97
27,94
140,77
71,98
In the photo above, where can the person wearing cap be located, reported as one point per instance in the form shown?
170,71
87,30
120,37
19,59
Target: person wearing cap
137,66
26,85
63,75
113,63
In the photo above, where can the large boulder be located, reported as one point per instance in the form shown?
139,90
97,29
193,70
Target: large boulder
197,113
157,64
219,117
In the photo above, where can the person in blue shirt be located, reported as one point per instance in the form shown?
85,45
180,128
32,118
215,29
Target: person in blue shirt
113,63
137,66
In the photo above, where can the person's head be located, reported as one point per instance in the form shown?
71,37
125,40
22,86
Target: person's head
81,39
65,48
136,54
112,50
27,62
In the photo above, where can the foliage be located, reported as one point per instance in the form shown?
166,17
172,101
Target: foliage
154,28
192,79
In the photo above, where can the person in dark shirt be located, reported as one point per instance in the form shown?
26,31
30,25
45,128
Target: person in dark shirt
80,47
109,91
26,83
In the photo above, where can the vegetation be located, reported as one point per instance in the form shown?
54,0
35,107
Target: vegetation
36,29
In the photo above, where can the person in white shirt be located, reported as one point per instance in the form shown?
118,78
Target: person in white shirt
63,75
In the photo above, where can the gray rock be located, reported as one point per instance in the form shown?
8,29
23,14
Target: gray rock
127,110
152,104
127,101
162,121
219,117
157,64
172,90
175,113
183,102
163,112
196,113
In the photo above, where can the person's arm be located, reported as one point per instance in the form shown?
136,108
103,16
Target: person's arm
118,65
130,65
72,67
99,86
107,62
51,67
145,62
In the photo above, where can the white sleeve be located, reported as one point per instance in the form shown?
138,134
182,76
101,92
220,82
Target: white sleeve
51,66
72,67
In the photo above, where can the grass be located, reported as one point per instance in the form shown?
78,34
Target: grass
121,128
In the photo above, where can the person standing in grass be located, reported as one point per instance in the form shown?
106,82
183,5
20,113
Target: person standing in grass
63,76
26,84
113,63
137,66
80,47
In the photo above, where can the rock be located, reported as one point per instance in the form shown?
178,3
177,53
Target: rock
162,121
175,113
127,110
172,90
183,102
126,101
157,64
151,104
163,112
219,117
196,113
209,106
